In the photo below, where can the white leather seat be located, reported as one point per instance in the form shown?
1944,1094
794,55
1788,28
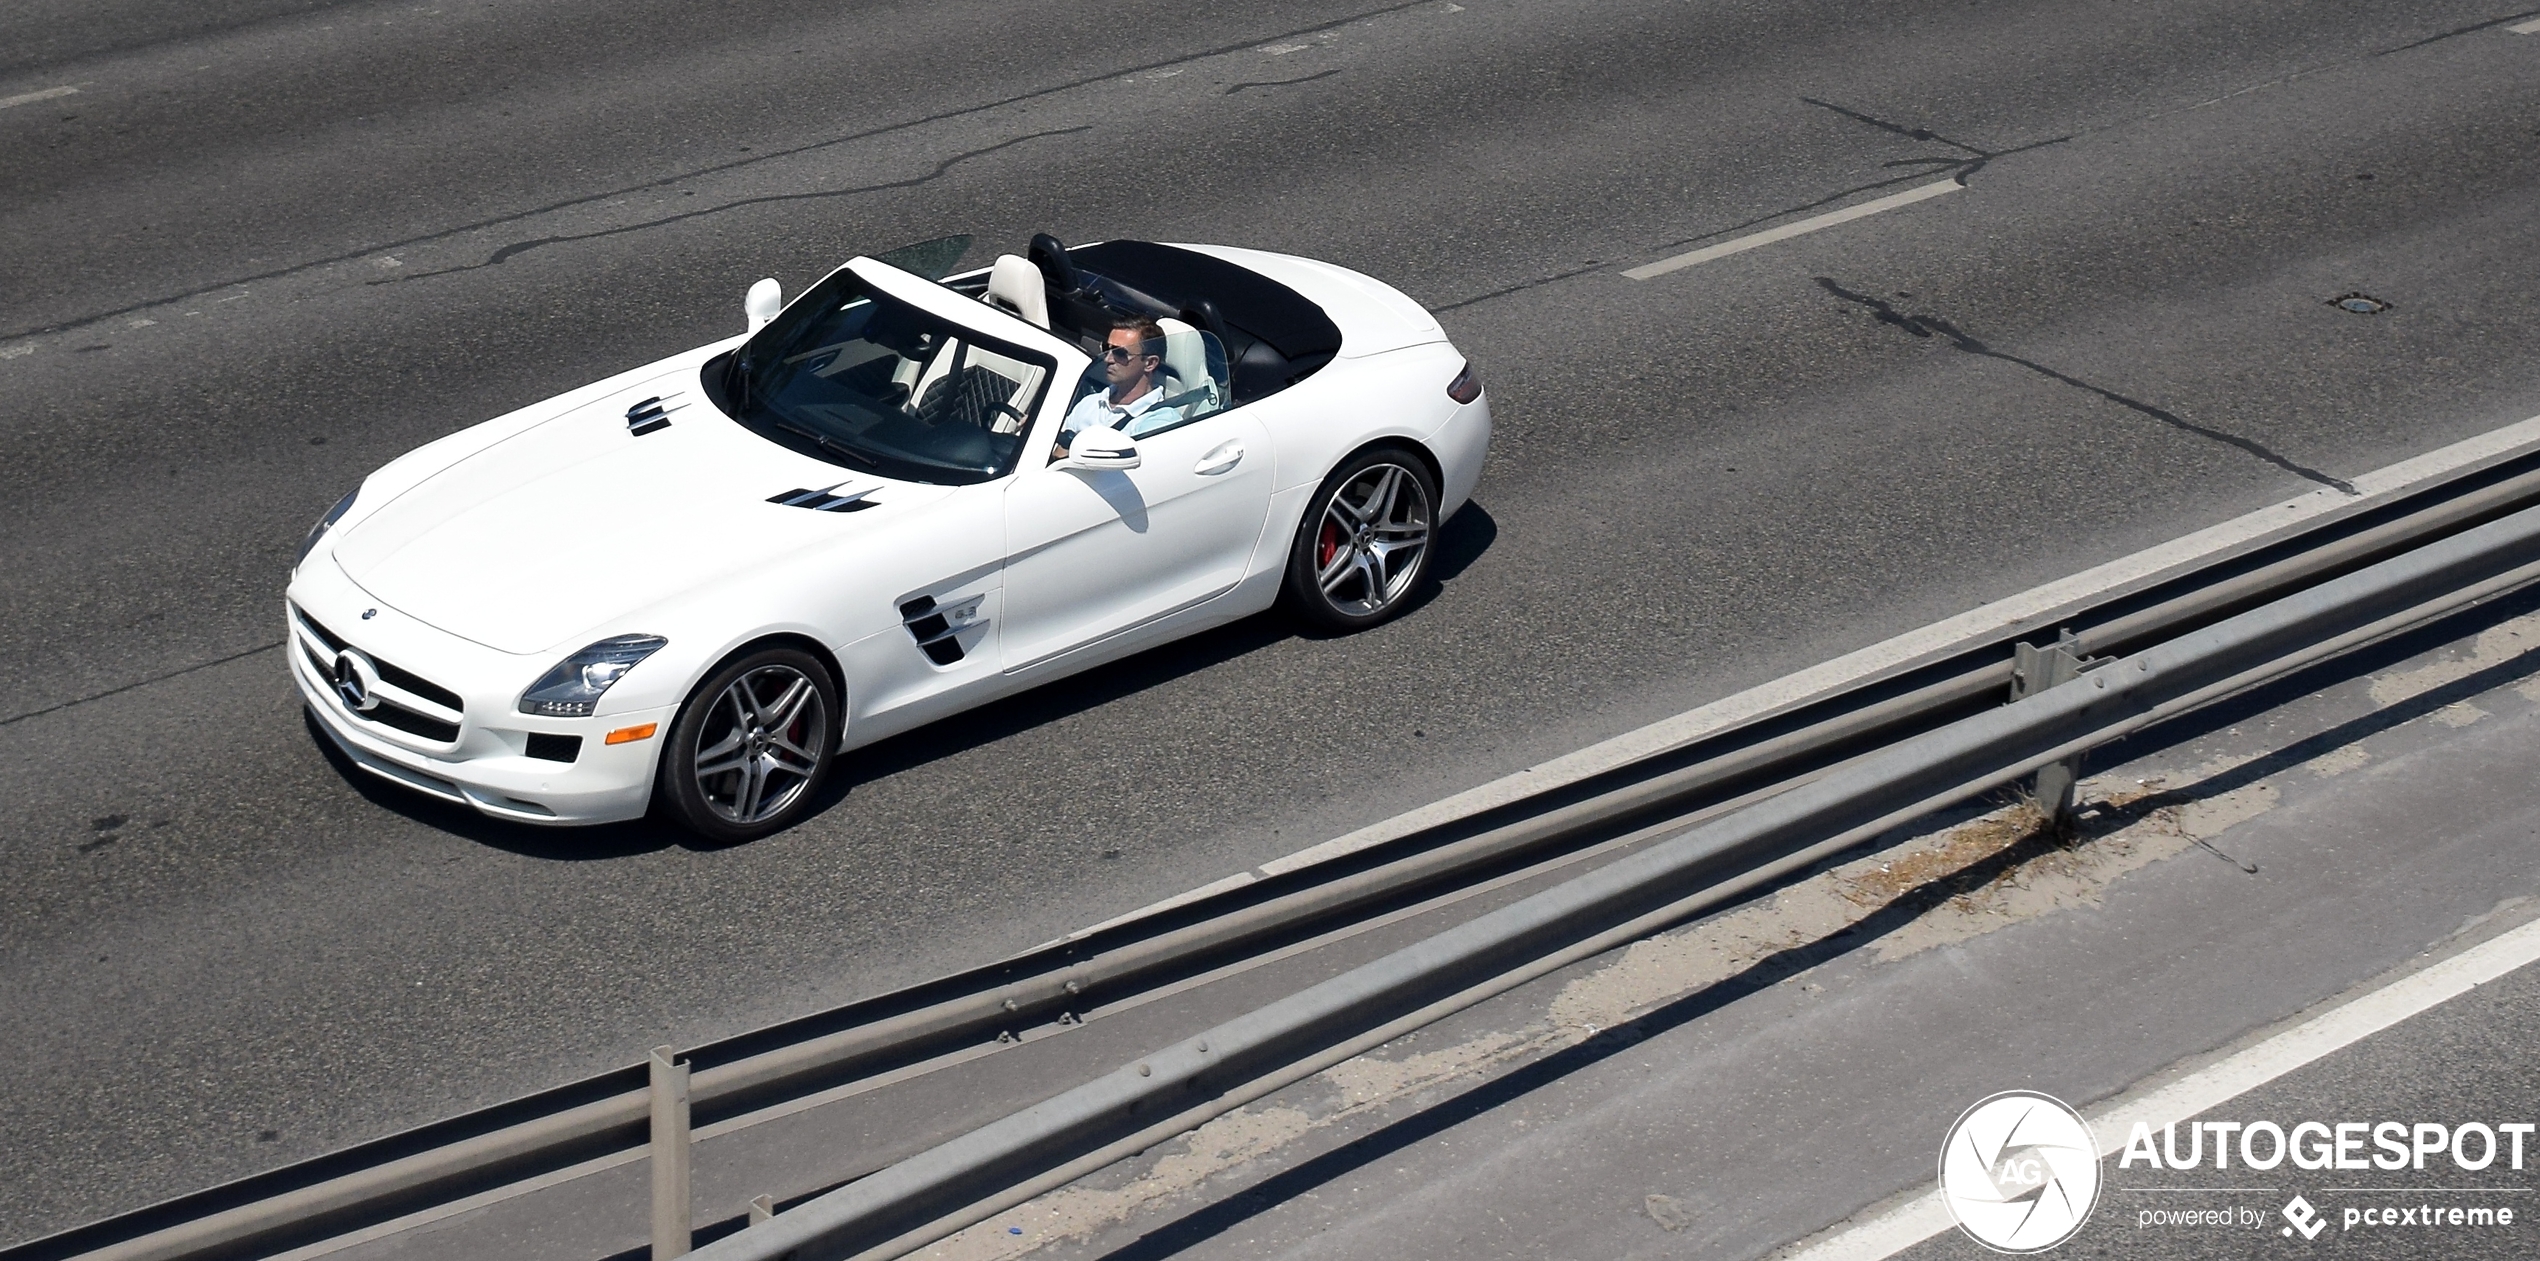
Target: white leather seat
1188,383
993,378
1014,284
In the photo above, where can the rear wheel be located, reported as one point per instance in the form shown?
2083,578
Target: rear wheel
752,745
1364,544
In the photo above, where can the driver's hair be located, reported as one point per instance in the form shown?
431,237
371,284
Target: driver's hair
1150,334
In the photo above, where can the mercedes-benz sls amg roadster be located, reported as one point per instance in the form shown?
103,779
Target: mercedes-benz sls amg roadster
691,587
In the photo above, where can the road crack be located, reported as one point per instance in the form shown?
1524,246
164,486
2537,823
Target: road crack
1279,83
1931,325
1520,287
964,111
2456,33
518,248
1969,160
156,678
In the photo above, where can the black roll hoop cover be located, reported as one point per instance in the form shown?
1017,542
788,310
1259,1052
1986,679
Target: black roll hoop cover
1050,255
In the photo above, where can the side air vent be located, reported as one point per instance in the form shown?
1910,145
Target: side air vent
937,629
826,499
649,415
554,748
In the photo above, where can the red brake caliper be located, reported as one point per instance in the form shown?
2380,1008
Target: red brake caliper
1328,546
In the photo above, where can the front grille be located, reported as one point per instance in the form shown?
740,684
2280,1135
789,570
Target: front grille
388,714
554,748
333,642
422,687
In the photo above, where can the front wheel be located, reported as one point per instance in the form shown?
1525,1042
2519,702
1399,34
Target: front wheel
751,746
1364,544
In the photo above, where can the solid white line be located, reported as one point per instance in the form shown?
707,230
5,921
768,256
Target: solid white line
30,98
1211,889
1789,230
2531,27
1925,1216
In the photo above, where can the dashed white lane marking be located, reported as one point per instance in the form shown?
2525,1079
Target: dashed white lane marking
2531,27
30,98
1789,230
1924,1216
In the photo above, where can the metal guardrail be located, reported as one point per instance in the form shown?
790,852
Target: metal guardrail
1177,1087
449,1160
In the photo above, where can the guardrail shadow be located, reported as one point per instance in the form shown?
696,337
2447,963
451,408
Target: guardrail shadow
1214,1219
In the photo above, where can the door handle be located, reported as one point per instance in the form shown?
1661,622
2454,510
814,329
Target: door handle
1220,458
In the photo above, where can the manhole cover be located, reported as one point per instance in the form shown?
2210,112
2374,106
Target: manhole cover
2359,304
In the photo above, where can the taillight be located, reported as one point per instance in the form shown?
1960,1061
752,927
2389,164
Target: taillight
1466,386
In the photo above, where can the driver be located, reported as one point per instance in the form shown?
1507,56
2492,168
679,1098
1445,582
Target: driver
1133,365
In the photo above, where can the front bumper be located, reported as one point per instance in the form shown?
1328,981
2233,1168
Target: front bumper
478,752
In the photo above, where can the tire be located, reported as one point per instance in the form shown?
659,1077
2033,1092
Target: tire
1363,546
763,728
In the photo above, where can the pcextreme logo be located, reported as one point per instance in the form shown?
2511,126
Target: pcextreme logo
2020,1171
2305,1219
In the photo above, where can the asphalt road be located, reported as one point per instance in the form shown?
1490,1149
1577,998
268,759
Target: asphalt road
1744,1083
264,247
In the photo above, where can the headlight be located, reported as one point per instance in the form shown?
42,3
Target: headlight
318,531
574,686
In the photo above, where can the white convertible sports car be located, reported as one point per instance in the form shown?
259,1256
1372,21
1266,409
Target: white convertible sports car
692,586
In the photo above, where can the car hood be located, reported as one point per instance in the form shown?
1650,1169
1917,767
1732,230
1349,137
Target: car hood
575,523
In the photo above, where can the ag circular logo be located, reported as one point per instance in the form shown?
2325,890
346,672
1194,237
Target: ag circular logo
2020,1172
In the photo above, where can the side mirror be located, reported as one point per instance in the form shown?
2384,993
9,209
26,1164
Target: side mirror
766,299
1105,448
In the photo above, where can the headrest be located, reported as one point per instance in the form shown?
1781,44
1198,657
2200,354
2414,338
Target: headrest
1186,366
1015,285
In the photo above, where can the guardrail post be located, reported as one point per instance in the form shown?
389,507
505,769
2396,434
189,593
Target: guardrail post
2033,670
671,1234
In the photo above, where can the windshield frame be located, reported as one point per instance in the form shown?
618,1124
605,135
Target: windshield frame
758,369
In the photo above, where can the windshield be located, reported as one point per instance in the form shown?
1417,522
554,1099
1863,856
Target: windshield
865,381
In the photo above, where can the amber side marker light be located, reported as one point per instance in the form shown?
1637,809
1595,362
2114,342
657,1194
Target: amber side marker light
629,735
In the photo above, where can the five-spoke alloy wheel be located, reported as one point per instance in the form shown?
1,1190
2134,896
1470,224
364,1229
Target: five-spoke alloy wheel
752,745
1364,544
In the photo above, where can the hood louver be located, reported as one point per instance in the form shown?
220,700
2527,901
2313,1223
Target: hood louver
827,499
649,415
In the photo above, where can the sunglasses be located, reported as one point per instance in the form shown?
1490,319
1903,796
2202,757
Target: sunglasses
1121,354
